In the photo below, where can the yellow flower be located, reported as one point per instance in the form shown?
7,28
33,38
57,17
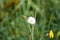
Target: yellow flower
51,34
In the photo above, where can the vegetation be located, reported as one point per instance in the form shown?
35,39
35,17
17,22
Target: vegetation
15,13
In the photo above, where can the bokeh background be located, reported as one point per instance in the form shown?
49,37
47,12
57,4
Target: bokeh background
14,15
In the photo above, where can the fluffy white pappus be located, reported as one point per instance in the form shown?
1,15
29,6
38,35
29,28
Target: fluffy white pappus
31,20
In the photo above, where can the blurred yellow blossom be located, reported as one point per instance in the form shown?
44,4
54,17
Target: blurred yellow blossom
51,34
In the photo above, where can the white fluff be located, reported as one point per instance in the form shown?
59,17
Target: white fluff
31,20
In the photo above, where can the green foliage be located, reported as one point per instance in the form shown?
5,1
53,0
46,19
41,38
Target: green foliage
14,25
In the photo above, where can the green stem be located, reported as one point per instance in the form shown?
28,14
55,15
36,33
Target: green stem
32,33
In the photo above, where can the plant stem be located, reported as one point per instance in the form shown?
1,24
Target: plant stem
32,33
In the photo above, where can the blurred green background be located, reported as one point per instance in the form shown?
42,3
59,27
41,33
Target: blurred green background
14,15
